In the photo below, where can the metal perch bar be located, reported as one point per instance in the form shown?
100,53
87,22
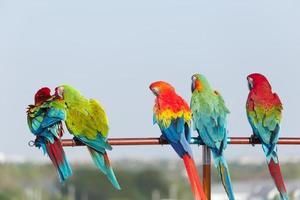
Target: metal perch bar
158,141
206,155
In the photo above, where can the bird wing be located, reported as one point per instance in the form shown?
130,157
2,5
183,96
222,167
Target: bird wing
265,119
87,121
209,115
174,124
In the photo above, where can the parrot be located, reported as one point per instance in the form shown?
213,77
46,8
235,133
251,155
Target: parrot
209,115
45,122
264,112
87,121
173,116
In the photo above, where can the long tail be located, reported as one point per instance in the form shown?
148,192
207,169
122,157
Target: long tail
275,172
223,170
58,158
102,162
194,178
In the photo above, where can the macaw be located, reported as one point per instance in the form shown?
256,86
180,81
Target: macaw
264,112
87,121
45,122
173,116
209,115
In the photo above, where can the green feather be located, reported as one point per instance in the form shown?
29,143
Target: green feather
84,116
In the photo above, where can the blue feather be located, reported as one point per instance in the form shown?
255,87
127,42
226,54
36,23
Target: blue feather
177,134
45,125
154,119
222,166
99,143
102,165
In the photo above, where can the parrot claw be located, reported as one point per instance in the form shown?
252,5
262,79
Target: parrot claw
253,138
76,140
200,141
162,139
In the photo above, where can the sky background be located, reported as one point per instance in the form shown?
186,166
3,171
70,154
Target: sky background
113,50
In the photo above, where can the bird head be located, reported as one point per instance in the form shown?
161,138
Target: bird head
42,95
199,83
59,92
256,80
160,87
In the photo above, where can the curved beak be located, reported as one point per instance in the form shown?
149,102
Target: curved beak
193,85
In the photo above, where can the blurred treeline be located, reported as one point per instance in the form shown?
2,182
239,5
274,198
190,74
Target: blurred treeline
139,180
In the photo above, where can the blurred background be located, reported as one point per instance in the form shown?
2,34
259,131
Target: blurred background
112,51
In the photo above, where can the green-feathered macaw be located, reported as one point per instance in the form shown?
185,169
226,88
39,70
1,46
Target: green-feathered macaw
45,119
209,115
87,121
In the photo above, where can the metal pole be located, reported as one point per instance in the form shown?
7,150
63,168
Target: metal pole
158,141
125,142
206,156
247,140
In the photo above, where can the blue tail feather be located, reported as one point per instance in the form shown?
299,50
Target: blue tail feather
270,152
102,162
284,196
221,165
56,154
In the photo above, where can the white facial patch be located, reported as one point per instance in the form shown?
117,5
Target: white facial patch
250,81
194,78
60,92
155,91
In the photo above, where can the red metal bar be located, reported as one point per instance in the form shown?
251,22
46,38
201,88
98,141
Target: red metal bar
158,141
247,140
120,142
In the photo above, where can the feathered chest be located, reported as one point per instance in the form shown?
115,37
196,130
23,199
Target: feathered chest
171,107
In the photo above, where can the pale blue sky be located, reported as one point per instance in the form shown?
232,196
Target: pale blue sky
112,51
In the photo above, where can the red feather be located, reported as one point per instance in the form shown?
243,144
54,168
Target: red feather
194,178
55,152
275,172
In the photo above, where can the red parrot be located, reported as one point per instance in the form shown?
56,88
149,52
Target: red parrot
173,116
264,114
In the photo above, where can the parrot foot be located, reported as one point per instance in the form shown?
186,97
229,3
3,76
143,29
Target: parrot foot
162,139
76,140
200,141
37,142
253,138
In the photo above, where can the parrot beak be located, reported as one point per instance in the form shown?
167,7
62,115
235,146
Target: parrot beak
193,86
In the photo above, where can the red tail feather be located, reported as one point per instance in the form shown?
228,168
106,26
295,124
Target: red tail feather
194,177
55,152
275,172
